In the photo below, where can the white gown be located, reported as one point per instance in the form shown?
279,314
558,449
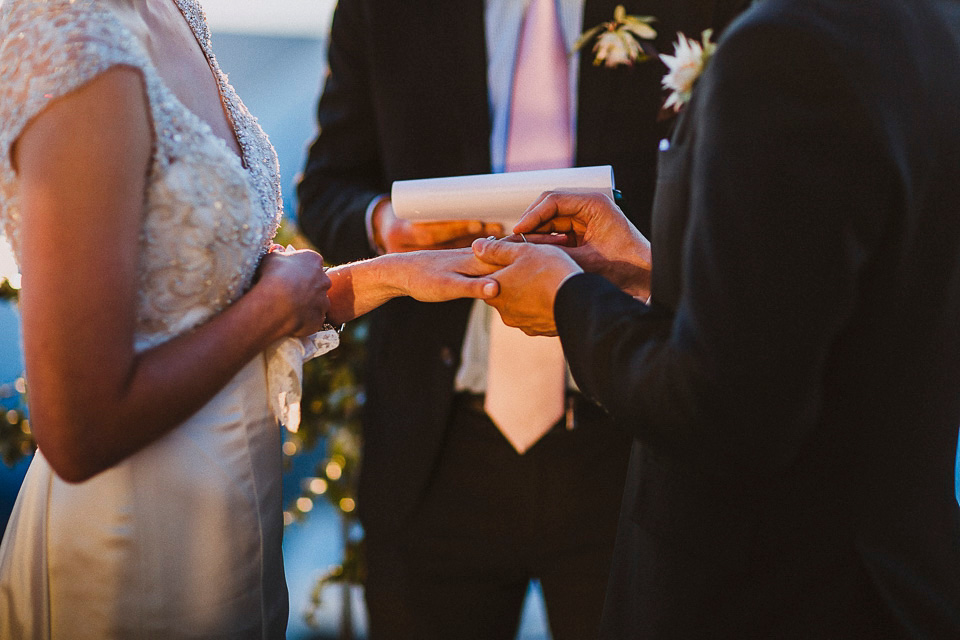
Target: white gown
182,539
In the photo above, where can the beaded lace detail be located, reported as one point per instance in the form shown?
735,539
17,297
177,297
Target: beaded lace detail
208,217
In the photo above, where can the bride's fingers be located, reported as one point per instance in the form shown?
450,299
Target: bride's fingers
482,288
452,285
477,269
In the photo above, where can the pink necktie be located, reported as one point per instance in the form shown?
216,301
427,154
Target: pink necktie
526,376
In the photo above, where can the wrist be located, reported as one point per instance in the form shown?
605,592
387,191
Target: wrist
390,275
358,287
272,311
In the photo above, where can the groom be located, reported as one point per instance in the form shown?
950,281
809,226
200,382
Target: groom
792,386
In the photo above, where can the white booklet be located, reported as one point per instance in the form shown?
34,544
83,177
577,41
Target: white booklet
492,197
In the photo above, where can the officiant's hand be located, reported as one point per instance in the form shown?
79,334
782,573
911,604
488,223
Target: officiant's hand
601,239
393,235
529,276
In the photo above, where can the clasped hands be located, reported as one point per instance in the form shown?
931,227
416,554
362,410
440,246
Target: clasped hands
594,237
561,234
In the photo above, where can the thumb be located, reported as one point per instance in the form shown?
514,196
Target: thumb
496,252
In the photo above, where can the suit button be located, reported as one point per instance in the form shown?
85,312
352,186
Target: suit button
446,356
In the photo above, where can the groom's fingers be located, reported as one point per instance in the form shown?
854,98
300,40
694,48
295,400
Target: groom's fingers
541,212
558,212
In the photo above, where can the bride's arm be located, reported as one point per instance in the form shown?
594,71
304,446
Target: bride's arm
428,276
82,165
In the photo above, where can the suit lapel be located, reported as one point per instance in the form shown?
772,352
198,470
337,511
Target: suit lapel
461,29
431,65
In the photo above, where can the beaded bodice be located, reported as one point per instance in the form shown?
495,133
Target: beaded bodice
208,215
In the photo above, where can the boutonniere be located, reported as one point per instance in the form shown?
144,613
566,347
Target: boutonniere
618,41
685,66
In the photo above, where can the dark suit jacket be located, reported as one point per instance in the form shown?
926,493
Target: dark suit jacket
407,98
794,387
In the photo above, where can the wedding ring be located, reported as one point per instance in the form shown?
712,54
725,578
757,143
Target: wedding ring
523,237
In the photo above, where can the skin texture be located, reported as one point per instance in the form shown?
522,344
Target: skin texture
428,276
82,166
599,238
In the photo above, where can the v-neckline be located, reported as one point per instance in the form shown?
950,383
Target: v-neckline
228,115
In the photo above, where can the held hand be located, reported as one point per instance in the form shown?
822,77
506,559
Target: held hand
438,276
529,277
604,241
297,285
396,236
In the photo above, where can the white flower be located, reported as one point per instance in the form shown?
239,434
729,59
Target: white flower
614,48
685,66
617,40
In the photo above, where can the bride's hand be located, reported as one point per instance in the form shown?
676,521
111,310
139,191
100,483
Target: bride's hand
428,276
298,285
438,276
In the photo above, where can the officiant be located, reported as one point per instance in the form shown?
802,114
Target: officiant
483,466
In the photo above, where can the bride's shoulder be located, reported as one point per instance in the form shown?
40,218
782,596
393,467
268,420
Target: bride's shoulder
61,32
64,20
48,48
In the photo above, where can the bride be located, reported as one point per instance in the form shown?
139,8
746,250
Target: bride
162,329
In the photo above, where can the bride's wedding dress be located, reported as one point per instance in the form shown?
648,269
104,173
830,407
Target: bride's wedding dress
182,539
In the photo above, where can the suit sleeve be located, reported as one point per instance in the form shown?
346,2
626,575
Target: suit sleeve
343,173
789,188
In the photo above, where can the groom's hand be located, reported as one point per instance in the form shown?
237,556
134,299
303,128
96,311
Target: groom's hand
529,276
602,239
393,235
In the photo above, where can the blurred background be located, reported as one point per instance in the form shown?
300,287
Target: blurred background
274,54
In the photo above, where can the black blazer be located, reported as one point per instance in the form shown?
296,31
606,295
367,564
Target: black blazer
794,387
407,98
